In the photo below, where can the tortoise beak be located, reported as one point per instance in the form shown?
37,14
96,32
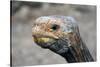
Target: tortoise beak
43,38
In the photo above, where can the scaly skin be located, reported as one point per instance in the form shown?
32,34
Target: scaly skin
61,35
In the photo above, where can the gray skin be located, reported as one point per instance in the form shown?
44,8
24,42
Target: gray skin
68,44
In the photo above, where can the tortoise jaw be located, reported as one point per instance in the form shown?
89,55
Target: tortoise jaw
44,42
43,39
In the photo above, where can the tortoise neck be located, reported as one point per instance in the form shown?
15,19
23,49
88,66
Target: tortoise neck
80,54
69,57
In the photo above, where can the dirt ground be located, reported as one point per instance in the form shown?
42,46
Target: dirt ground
25,52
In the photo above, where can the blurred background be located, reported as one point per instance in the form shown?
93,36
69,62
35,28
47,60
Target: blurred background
25,52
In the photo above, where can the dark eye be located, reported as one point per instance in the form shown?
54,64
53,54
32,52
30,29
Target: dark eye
55,27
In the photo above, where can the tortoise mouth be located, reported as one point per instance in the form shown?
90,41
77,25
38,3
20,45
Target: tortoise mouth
50,43
57,45
44,42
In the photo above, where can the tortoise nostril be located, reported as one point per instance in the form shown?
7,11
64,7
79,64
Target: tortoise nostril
33,35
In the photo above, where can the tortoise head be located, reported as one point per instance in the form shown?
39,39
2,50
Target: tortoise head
54,32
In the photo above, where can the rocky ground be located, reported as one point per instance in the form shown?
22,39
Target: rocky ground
26,52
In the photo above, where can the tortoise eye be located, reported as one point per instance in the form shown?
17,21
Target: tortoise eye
55,27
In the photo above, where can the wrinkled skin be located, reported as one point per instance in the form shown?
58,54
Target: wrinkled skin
61,35
58,38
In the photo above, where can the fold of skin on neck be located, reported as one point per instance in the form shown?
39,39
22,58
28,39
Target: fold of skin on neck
75,52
